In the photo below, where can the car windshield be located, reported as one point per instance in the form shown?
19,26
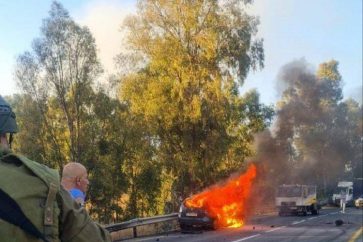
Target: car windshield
340,190
291,191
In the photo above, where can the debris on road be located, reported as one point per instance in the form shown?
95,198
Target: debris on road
339,222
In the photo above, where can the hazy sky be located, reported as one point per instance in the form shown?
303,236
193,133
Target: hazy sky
317,30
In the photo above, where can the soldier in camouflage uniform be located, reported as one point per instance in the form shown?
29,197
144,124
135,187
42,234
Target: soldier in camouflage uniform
33,205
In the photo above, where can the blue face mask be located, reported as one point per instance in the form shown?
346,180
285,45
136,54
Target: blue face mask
78,195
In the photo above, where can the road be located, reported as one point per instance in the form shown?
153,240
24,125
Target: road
273,228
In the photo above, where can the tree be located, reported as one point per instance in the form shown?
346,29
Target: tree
29,119
63,118
349,136
319,132
193,56
63,63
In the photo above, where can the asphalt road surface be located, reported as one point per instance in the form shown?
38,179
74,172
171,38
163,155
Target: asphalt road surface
282,229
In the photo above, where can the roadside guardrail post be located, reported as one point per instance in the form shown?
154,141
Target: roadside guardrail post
134,231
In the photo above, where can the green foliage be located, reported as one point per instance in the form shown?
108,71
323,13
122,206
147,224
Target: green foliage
193,57
179,122
28,118
63,119
318,131
64,63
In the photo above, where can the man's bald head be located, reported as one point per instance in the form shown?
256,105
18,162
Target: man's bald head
73,169
74,175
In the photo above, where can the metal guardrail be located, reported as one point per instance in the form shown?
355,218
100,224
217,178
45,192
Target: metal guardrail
134,223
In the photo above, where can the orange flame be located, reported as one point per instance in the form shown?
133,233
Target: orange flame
226,203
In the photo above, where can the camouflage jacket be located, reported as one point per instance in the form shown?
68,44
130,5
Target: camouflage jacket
37,191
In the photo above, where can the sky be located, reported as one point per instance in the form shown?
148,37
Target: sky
316,30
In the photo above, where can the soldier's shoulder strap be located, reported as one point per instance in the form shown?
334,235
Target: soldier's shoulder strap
51,178
12,213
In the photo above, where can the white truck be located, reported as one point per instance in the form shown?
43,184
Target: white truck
344,191
297,199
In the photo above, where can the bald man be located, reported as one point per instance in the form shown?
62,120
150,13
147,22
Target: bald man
75,181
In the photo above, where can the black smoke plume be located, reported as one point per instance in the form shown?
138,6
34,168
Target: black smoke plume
316,138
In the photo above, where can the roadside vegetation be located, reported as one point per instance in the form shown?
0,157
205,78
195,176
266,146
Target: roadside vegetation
172,121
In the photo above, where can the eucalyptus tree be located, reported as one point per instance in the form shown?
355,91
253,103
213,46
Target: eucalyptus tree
59,72
189,60
70,119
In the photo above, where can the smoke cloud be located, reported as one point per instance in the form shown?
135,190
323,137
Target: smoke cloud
315,134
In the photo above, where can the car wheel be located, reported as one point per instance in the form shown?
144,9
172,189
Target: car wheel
183,227
315,212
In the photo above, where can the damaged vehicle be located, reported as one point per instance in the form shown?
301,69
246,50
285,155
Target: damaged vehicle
194,218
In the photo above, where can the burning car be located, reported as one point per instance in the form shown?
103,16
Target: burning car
191,217
219,206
